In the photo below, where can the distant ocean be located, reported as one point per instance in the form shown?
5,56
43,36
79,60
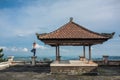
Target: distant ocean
62,58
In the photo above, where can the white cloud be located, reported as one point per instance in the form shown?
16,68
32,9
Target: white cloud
14,49
25,49
40,47
20,35
3,47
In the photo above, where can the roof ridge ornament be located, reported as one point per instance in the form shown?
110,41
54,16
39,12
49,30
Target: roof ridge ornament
71,19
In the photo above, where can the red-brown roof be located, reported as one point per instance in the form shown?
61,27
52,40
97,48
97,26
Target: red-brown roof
72,30
73,34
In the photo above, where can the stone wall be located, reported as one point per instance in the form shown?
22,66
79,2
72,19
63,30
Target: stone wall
109,63
4,65
114,63
73,70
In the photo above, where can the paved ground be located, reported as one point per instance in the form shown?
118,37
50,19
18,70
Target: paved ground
43,73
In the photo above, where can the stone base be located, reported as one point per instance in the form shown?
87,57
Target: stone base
33,60
82,58
73,67
73,70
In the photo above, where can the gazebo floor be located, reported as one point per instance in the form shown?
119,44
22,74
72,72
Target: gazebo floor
74,67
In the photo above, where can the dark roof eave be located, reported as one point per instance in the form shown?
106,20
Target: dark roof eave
74,38
43,34
109,35
105,35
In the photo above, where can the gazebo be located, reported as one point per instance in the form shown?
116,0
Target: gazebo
73,34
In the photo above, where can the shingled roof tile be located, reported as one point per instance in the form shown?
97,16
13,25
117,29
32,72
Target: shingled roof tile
71,30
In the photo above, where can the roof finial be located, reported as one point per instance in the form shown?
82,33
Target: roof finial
71,19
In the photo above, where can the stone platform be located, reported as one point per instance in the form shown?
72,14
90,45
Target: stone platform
74,67
4,65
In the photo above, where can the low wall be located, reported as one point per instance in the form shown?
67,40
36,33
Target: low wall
109,63
73,70
4,65
17,63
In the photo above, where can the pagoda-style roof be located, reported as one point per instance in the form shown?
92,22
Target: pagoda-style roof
73,34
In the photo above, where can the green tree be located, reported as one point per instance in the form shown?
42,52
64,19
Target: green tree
1,56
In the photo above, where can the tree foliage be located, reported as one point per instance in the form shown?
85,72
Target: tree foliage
1,56
1,50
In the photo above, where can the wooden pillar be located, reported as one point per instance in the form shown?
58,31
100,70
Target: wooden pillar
84,51
89,52
57,53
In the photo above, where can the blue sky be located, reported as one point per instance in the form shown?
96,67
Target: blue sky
21,19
